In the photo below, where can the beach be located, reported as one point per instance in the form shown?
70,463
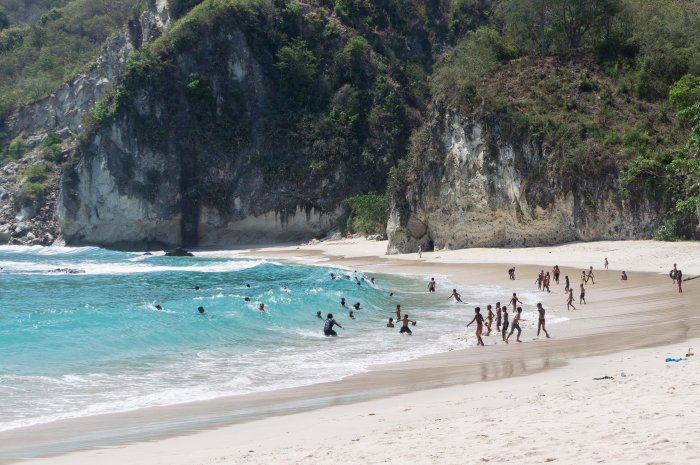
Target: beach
533,402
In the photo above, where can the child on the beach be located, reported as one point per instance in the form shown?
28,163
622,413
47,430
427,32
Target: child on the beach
582,295
540,323
570,300
479,325
516,325
514,301
504,327
498,316
489,319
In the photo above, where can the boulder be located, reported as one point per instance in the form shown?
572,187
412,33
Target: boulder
178,252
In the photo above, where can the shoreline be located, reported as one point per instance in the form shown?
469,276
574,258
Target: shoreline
607,331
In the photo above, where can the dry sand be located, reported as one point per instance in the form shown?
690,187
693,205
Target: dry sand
534,402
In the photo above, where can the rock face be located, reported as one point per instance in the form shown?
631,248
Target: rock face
471,188
181,169
63,110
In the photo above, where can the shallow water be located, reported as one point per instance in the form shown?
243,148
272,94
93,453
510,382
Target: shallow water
79,344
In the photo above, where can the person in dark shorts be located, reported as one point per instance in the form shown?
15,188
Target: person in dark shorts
404,325
679,280
504,326
567,285
516,325
540,322
479,325
328,326
582,295
511,274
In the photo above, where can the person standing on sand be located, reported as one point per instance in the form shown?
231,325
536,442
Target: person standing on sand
431,285
498,316
540,278
584,279
540,322
514,301
489,319
570,299
679,279
504,327
605,264
479,325
582,295
420,250
404,325
515,325
590,275
567,285
511,274
623,276
673,273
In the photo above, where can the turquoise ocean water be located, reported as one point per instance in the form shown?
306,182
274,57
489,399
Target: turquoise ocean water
74,345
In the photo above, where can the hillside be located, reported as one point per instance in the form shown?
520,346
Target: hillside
254,120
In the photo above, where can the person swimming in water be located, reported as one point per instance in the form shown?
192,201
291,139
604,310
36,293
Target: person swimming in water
159,308
261,307
246,299
200,310
328,326
342,302
431,285
356,306
318,314
479,325
390,323
351,315
404,325
456,295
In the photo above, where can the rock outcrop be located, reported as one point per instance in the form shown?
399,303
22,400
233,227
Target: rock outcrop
63,110
471,188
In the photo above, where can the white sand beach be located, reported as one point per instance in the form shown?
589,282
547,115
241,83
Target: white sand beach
534,402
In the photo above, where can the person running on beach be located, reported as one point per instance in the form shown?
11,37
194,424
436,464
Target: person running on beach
514,301
431,285
504,326
623,276
590,275
390,323
605,263
582,295
566,282
479,325
489,319
570,299
456,295
516,325
328,326
511,274
679,279
498,316
540,322
404,325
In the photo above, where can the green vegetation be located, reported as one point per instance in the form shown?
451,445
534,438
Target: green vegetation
51,148
44,43
368,213
15,150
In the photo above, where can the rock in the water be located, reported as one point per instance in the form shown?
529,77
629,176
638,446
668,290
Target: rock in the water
179,252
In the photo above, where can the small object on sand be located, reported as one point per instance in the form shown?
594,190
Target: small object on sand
690,352
604,377
669,359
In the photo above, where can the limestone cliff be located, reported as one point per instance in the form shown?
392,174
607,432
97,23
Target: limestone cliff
469,187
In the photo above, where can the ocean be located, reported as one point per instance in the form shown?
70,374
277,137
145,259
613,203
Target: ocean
80,333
